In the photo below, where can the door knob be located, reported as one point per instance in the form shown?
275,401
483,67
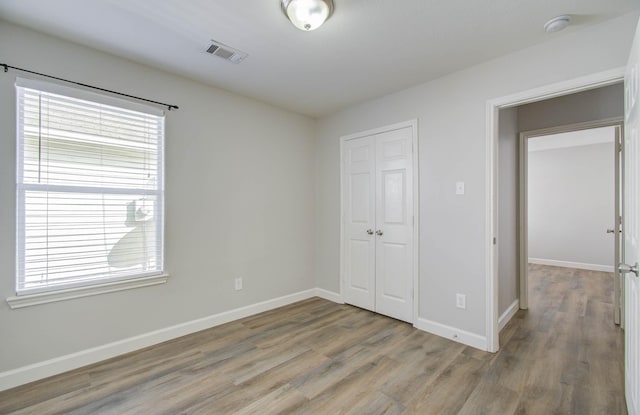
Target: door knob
611,231
369,232
379,232
625,269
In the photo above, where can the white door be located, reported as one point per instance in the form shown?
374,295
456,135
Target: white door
358,200
394,224
631,228
378,222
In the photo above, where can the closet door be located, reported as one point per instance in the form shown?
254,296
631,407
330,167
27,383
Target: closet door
394,224
358,200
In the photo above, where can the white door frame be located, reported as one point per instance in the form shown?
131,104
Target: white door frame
413,124
493,107
523,196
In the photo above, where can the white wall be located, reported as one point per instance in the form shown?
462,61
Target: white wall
239,202
508,185
571,204
451,113
591,105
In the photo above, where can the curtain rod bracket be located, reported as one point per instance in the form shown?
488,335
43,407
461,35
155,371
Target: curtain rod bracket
162,104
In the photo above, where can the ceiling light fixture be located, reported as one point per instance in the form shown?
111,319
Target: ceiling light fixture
557,23
307,14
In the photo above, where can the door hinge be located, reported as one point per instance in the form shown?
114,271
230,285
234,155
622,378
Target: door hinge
495,240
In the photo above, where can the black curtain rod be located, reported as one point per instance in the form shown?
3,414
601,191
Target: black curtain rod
169,106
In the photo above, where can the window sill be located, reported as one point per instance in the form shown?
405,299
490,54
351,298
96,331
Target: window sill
29,300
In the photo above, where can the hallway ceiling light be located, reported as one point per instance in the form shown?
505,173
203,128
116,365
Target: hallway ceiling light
307,14
557,23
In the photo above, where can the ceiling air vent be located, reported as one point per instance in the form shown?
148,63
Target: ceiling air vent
226,52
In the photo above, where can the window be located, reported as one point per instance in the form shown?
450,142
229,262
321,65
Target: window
89,188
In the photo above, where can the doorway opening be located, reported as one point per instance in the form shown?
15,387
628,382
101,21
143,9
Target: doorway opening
499,111
570,203
571,315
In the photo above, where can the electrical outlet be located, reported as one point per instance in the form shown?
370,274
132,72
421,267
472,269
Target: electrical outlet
238,284
461,301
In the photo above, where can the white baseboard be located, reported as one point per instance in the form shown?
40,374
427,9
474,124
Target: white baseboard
452,333
41,370
568,264
508,314
329,295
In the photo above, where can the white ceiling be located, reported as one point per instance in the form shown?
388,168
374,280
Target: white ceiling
572,139
368,48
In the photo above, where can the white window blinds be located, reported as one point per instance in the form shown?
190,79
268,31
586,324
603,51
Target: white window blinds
89,188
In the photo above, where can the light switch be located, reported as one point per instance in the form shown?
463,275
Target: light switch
461,301
459,188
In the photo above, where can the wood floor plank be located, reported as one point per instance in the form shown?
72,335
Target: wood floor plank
311,328
491,398
316,381
71,383
261,362
420,366
379,404
345,393
450,390
546,400
562,356
352,336
246,393
284,400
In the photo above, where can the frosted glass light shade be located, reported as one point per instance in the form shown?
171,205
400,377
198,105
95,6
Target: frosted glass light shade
307,14
557,24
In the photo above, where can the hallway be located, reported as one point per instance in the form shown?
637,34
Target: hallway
569,333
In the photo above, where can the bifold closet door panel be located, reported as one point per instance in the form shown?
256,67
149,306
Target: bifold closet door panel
394,224
359,222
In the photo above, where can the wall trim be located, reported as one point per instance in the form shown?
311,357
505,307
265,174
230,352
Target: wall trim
22,375
28,300
329,295
452,333
41,370
569,264
508,314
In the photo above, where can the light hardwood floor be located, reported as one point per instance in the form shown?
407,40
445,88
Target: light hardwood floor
563,356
